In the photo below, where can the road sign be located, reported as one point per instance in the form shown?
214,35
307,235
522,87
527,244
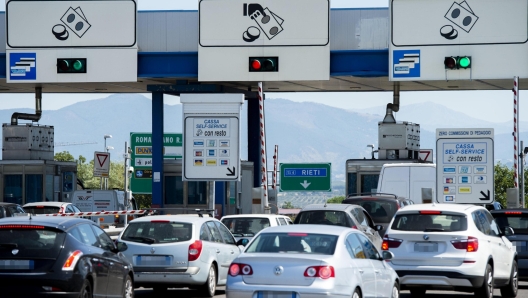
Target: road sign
426,33
426,155
275,29
305,177
101,164
465,165
71,41
141,158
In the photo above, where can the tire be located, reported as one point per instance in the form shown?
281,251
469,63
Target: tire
208,289
418,292
510,290
357,293
486,290
395,292
86,290
128,288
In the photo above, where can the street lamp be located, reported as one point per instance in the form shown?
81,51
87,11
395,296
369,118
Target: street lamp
106,137
106,178
109,148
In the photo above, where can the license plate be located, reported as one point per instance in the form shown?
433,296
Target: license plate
426,247
269,294
17,264
153,260
520,246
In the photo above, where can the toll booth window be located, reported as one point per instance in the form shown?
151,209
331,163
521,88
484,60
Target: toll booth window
197,193
369,183
34,189
352,183
68,181
173,190
13,189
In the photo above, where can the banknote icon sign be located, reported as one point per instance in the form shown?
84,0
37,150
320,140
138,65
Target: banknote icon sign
462,16
75,21
268,22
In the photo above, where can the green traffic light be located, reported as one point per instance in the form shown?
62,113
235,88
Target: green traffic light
464,62
77,65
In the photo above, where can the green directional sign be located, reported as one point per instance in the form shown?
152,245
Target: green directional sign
305,177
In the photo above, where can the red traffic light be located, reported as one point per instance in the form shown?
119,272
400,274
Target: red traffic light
263,64
450,62
256,65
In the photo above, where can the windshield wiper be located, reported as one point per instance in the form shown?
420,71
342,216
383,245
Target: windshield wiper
9,245
144,239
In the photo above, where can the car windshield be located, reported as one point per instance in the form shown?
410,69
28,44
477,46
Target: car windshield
318,217
381,211
42,209
293,243
518,222
430,222
245,226
157,232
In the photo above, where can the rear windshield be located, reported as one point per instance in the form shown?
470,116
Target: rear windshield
519,223
381,211
42,209
294,243
430,222
245,226
321,217
157,232
30,241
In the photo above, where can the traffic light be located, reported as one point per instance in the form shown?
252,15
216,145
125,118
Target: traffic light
458,62
263,64
71,65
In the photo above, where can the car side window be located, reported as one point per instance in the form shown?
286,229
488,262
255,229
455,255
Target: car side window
205,234
75,209
69,209
228,237
360,217
282,221
482,222
85,234
354,247
277,220
370,251
105,241
290,222
369,220
215,234
492,223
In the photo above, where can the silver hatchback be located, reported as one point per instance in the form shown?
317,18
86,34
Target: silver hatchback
169,251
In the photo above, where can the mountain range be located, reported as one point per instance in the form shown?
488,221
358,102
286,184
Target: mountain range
305,132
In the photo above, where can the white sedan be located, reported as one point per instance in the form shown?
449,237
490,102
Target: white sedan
311,261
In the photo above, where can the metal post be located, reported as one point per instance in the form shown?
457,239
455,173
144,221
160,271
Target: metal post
521,182
125,187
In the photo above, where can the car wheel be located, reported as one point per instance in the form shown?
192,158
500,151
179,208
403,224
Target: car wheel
86,290
209,288
510,290
395,293
357,293
486,290
128,290
418,292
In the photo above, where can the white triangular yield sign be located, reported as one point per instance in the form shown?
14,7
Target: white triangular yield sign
101,158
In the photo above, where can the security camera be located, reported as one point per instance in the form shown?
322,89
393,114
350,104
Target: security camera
131,170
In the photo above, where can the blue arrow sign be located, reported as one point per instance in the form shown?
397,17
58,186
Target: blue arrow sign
313,172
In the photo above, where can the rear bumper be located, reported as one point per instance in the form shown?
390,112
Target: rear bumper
438,279
239,289
32,285
193,276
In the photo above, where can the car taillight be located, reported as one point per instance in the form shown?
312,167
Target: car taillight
354,227
72,260
323,272
390,243
195,249
430,212
470,245
240,269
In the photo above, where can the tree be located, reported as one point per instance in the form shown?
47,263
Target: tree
288,205
64,156
336,200
503,181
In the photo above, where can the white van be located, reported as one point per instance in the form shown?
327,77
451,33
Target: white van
407,179
93,200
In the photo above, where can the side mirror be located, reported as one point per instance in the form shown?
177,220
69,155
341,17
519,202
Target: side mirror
242,242
379,228
508,231
387,255
121,246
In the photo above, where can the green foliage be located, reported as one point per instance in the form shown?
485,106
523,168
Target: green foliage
288,205
503,180
64,156
336,200
143,201
85,174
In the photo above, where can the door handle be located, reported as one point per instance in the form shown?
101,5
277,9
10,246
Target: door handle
95,259
232,252
361,271
111,263
217,251
377,271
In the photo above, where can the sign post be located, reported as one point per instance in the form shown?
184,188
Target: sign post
465,168
305,177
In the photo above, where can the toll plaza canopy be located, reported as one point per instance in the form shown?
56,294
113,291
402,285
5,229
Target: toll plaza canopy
168,52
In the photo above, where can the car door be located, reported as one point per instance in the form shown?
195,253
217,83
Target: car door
494,243
218,246
504,246
363,265
381,271
231,249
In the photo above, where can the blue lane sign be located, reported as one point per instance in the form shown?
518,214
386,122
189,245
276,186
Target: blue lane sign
315,172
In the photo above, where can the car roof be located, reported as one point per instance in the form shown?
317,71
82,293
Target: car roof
49,204
332,207
312,229
177,217
254,216
440,207
59,222
8,204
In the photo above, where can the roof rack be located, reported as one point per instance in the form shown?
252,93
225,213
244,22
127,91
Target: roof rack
199,211
372,194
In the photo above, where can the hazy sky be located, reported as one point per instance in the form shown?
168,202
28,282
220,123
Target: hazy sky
494,106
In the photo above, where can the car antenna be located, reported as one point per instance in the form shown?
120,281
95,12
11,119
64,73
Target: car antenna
326,201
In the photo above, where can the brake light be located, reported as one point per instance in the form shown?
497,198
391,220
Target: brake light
72,260
298,234
430,212
240,269
30,227
323,272
513,212
195,249
354,227
39,207
159,221
470,245
390,243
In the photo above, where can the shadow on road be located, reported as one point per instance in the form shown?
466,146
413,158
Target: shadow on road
175,292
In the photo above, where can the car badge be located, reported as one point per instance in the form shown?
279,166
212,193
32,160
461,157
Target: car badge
426,237
152,250
278,270
14,251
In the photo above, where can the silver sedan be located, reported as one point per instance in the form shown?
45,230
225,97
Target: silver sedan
306,261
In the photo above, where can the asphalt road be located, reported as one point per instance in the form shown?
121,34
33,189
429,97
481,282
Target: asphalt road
220,293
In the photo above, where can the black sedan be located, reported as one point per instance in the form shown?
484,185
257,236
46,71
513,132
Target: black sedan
61,257
517,219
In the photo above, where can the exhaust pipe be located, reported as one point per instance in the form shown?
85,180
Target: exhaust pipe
38,109
394,106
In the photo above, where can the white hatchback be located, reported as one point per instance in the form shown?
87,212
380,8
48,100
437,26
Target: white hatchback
451,247
245,226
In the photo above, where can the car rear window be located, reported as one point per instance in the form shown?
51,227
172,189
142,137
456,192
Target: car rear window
430,222
518,222
157,232
30,241
41,209
381,211
245,226
293,243
338,218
